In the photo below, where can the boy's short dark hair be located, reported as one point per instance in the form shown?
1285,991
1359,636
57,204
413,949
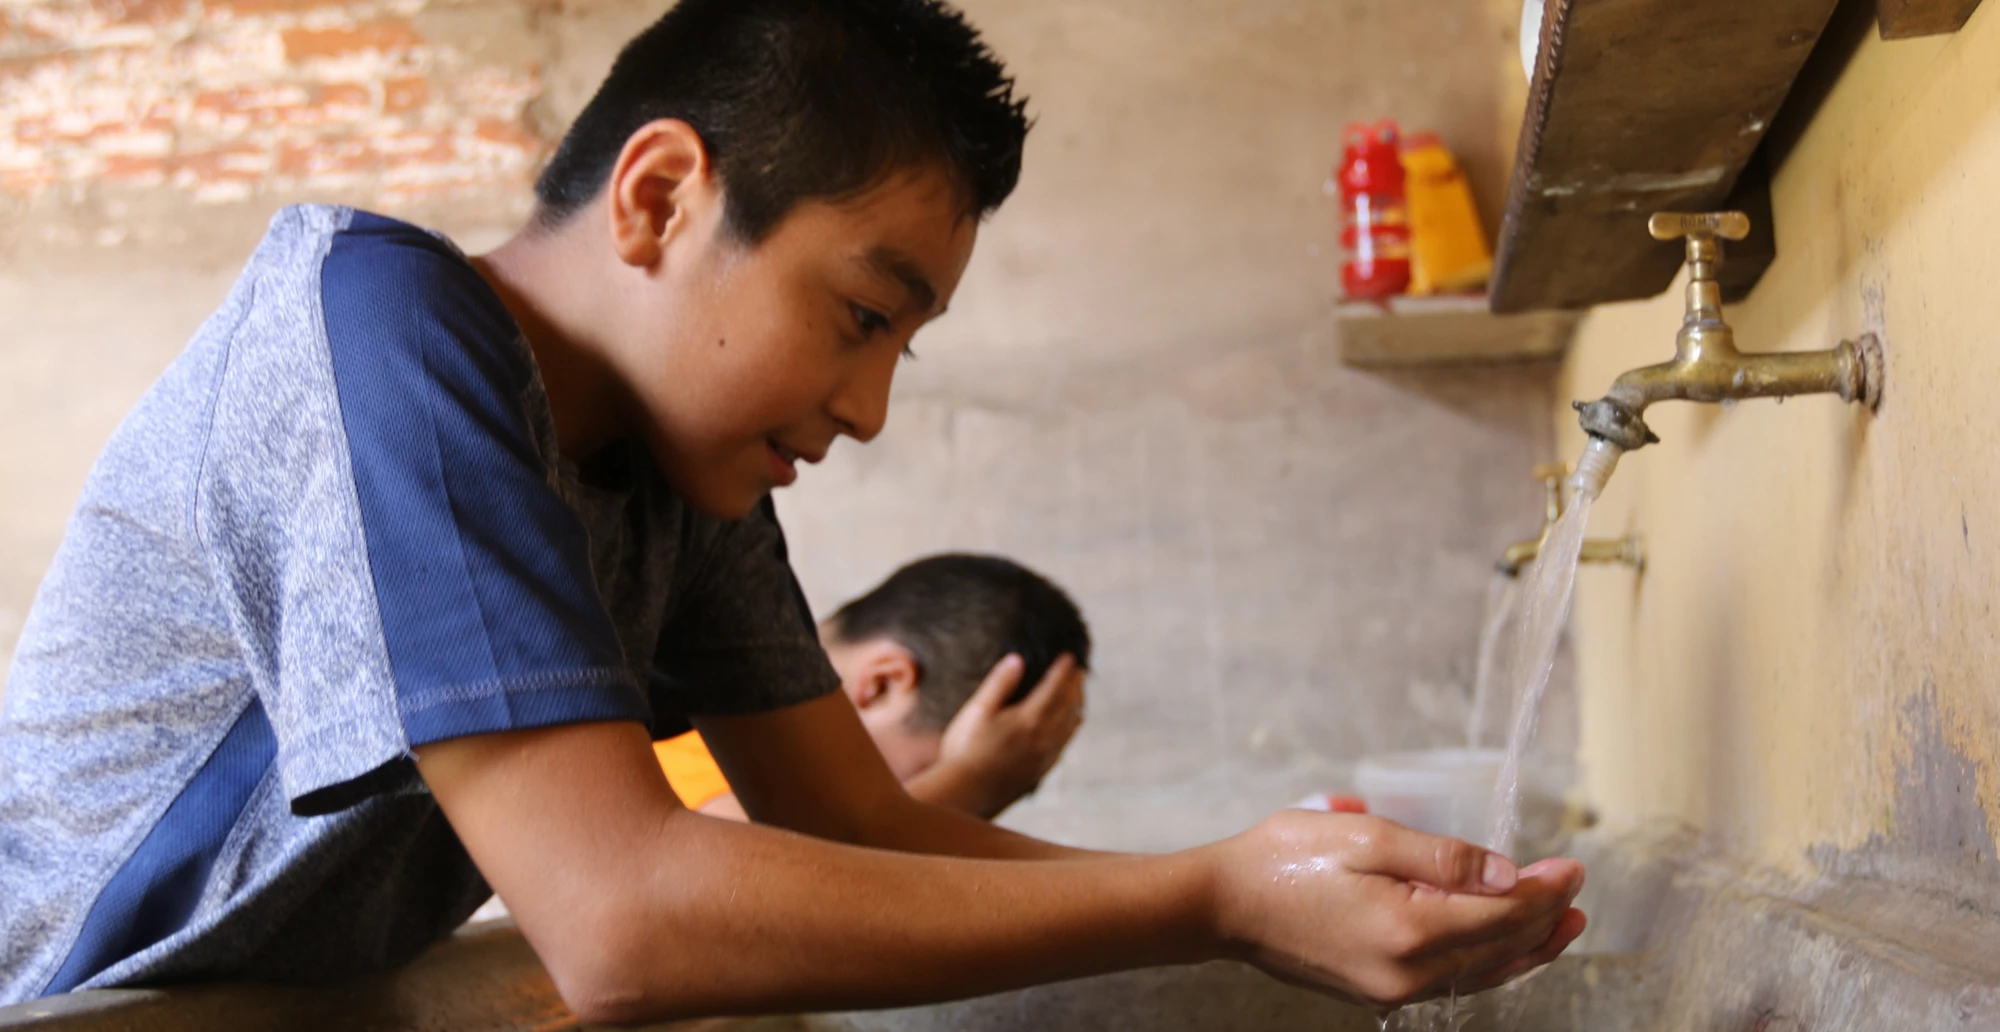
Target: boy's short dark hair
799,100
958,615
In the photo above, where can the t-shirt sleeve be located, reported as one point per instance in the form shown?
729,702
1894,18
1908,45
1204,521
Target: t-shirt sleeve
743,639
403,568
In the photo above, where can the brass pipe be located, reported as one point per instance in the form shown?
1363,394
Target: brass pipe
1624,551
1706,366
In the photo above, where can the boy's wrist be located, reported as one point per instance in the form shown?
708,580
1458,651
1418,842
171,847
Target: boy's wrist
963,786
1210,869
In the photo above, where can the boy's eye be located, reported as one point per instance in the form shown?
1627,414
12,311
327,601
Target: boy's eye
869,320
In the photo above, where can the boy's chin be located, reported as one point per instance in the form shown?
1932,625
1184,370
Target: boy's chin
724,505
721,501
718,493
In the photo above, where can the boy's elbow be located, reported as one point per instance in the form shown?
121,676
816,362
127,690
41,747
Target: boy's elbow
607,974
607,1006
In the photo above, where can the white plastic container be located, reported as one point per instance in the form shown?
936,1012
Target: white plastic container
1441,791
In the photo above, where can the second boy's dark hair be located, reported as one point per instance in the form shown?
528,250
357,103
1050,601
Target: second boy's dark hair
800,100
958,615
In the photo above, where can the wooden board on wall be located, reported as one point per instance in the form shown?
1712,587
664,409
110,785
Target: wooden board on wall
1425,331
1908,19
1637,106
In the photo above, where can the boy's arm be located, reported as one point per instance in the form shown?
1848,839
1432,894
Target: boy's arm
643,910
993,753
812,768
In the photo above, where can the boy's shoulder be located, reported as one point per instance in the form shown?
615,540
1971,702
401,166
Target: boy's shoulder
395,260
319,249
322,248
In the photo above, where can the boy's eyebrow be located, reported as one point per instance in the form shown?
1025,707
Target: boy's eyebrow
899,267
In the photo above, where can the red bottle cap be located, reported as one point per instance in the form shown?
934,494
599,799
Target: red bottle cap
1370,163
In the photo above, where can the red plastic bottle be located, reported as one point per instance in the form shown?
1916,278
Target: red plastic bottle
1377,230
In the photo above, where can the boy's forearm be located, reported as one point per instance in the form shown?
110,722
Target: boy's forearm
954,787
754,920
933,827
913,825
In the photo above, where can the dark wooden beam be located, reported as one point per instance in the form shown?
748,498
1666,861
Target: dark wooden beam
1908,19
1911,19
1638,106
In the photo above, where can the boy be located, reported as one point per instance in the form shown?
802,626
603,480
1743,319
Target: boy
372,604
951,663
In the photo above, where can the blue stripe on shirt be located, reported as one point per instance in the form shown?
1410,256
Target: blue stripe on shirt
155,891
482,574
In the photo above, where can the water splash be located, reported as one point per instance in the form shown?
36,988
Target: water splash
1544,610
1440,1015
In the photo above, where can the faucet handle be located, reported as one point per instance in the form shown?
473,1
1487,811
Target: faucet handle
1704,252
1729,225
1551,475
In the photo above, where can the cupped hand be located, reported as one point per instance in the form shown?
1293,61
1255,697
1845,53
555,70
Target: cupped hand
1381,915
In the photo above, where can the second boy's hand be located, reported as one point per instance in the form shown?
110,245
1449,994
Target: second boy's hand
993,753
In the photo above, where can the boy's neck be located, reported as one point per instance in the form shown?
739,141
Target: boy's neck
549,282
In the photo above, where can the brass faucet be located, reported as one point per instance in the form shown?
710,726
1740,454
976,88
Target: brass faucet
1625,550
1706,365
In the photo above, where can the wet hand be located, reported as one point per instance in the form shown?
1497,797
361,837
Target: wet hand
1381,915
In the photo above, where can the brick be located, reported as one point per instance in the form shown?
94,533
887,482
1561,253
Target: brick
510,134
405,149
136,170
235,162
124,139
347,95
293,159
383,35
263,8
251,99
147,12
406,94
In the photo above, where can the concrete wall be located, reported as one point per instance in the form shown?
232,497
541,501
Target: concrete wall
1807,671
1284,560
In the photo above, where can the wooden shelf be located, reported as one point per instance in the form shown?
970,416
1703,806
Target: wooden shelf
1908,19
1447,330
1640,106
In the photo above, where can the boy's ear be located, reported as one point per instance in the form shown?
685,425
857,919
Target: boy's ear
658,187
888,676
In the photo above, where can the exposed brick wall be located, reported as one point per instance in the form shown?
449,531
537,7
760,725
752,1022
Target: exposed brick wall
227,100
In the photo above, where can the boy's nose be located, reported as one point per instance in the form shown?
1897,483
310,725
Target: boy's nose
861,404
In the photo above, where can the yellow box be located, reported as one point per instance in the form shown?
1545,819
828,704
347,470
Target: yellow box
1448,252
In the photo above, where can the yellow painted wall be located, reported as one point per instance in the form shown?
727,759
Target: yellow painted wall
1812,658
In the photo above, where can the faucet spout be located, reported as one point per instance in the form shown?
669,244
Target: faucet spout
1707,367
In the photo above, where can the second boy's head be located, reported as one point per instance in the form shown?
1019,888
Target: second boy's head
913,650
765,200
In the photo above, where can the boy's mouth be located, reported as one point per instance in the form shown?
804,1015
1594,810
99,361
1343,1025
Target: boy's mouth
785,463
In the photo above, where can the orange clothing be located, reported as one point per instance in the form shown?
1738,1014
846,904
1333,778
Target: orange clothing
690,769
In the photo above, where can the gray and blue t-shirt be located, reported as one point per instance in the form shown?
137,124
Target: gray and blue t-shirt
339,527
